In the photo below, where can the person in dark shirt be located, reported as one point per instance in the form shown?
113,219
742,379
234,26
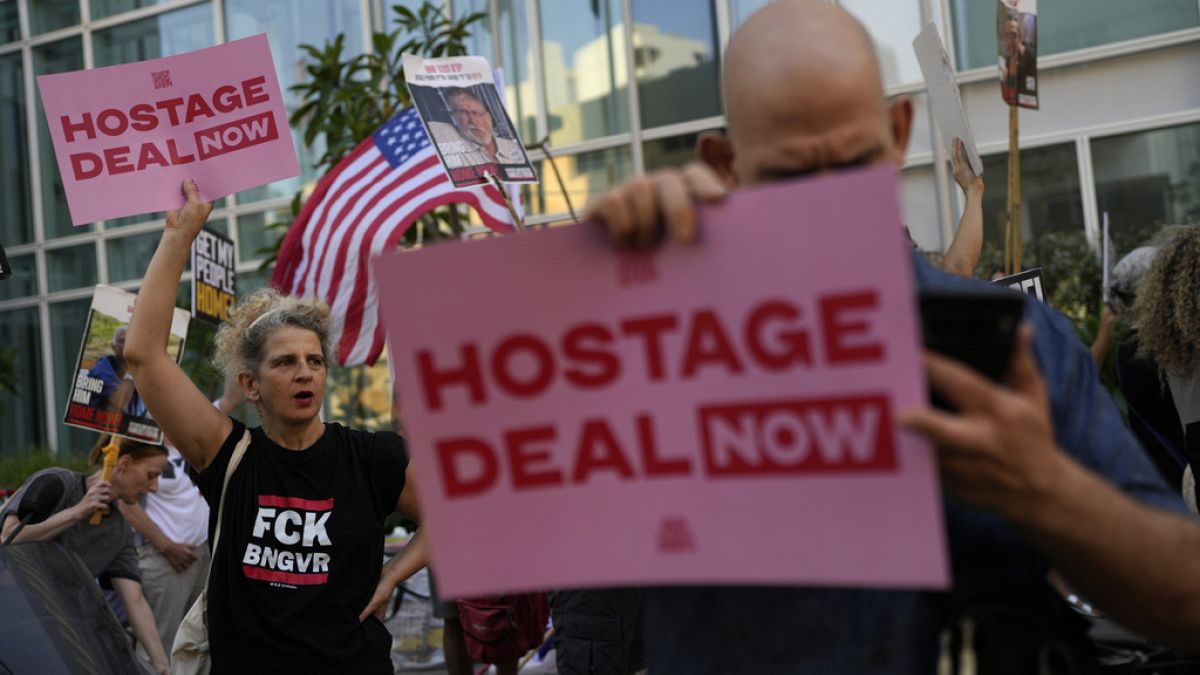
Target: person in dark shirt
1038,472
297,581
106,548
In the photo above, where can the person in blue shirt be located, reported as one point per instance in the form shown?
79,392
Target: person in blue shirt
1037,473
118,392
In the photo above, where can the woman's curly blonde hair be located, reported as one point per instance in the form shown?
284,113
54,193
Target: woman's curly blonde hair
240,341
1167,309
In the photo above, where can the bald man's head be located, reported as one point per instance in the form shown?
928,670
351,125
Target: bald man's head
118,342
803,93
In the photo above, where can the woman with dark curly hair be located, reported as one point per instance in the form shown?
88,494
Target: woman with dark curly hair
1167,317
296,583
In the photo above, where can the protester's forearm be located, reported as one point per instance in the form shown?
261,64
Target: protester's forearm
140,521
1100,345
963,255
150,326
1136,562
414,556
44,531
141,619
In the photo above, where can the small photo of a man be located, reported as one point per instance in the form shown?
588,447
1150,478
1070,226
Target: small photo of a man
472,137
119,393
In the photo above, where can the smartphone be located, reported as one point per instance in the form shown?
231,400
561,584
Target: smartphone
5,270
977,326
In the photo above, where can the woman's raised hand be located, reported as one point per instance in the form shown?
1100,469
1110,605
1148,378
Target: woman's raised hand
189,219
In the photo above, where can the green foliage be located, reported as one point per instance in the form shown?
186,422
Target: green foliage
1073,280
345,98
16,468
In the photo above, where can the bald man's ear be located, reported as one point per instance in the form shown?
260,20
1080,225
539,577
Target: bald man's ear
715,150
900,114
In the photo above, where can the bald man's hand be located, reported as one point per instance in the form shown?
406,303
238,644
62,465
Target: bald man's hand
998,452
637,212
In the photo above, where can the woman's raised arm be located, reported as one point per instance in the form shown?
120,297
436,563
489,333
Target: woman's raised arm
184,413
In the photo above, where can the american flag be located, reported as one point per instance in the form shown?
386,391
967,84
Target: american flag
360,209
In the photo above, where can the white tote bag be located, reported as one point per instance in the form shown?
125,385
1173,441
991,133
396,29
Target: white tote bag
189,651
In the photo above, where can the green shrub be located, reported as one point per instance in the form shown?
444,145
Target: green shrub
16,468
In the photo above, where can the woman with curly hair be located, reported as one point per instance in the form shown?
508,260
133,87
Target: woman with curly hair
297,578
1167,317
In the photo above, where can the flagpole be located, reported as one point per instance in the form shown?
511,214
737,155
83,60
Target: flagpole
512,211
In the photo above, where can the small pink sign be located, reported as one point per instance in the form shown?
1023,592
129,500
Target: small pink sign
127,136
716,413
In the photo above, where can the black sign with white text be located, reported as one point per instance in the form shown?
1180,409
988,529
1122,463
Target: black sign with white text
214,281
1028,282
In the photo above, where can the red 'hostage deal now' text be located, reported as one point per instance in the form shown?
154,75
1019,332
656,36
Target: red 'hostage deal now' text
185,110
847,433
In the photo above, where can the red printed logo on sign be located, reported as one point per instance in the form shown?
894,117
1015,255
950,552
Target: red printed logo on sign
675,536
161,79
852,434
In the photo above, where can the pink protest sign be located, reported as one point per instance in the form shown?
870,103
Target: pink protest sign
717,413
127,136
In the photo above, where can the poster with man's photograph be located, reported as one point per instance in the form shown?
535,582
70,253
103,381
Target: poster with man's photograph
465,117
103,395
1016,47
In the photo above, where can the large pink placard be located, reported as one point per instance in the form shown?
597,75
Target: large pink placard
716,413
127,136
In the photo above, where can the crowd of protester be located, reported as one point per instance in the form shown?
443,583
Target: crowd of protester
1041,473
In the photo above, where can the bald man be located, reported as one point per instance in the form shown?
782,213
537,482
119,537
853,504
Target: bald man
1038,473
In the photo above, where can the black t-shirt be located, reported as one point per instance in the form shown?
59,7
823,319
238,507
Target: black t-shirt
301,551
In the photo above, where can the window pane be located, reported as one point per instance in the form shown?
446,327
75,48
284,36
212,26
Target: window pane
892,25
919,206
56,57
103,8
361,397
163,35
48,15
517,58
668,152
674,56
16,208
1064,25
160,216
23,281
583,176
10,25
583,57
1051,212
71,267
742,9
255,232
128,257
248,282
480,41
24,411
291,23
67,323
1146,180
118,223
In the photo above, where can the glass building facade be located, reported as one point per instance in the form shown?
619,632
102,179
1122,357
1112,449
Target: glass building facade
614,88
